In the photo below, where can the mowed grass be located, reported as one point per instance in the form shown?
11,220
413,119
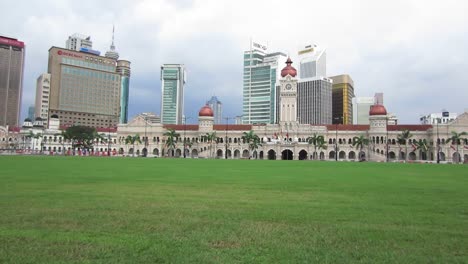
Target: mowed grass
134,210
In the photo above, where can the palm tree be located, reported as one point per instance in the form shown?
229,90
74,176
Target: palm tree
402,138
456,138
171,140
252,139
359,143
210,138
132,140
422,146
316,140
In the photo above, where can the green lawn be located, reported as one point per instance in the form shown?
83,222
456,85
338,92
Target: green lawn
135,210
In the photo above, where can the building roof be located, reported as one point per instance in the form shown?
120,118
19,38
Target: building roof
340,127
409,127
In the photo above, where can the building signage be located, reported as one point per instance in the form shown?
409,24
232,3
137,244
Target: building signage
259,46
67,53
11,42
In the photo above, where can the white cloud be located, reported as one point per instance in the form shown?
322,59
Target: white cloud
413,51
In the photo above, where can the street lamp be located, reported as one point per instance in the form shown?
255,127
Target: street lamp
387,138
185,140
336,136
226,138
438,140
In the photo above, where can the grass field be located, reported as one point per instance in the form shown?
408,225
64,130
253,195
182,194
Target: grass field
134,210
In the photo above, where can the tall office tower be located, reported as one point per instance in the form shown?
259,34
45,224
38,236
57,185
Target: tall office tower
123,69
173,78
31,111
312,62
261,75
42,97
11,80
78,41
342,99
314,101
85,89
217,108
112,53
361,108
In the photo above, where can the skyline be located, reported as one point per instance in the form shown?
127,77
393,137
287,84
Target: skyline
418,52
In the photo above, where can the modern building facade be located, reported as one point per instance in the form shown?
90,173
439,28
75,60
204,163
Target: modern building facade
42,97
314,101
173,79
361,107
443,117
78,41
85,89
312,62
261,75
342,99
123,69
31,112
12,52
217,107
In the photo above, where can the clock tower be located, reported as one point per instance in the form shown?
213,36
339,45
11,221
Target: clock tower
288,94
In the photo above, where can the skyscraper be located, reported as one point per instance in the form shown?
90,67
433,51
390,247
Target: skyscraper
173,78
11,80
78,41
342,99
85,89
42,97
261,75
31,110
123,69
314,101
361,108
217,108
312,62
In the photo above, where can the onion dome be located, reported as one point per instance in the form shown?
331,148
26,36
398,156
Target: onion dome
206,111
377,110
288,69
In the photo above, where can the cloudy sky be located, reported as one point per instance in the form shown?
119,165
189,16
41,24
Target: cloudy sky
415,52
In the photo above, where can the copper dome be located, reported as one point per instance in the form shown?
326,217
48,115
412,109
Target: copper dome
206,111
288,69
377,110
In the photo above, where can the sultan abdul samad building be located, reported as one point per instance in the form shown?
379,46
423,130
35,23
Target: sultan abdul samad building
284,141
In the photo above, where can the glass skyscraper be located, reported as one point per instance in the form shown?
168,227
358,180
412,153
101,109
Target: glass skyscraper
217,108
261,73
173,78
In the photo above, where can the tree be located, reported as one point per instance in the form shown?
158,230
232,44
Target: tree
210,138
132,140
422,147
316,140
82,136
402,139
359,143
171,140
252,140
456,139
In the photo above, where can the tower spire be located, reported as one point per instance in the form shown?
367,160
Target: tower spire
112,53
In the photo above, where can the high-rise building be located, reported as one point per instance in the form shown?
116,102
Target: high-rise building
112,53
378,98
78,41
11,80
31,111
314,101
173,78
312,62
217,108
261,75
123,69
85,89
443,117
342,99
361,108
42,97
